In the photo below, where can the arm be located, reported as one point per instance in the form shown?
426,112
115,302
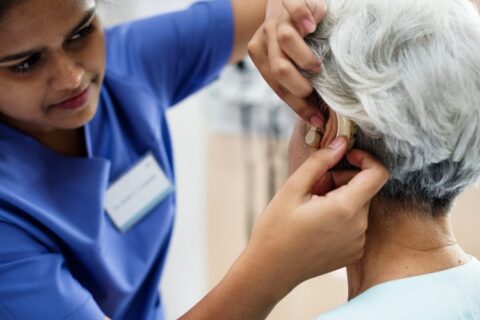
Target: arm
299,236
248,17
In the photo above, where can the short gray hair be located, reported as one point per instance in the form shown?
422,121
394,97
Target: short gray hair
408,73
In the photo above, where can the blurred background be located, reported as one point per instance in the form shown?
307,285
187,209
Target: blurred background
230,146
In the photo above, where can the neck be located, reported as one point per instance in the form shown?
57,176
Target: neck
67,142
403,244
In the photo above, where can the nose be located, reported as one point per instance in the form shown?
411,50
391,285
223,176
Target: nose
66,73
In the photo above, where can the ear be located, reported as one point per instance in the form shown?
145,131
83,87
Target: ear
337,126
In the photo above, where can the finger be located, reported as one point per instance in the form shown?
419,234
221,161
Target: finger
285,71
318,9
366,184
306,14
332,180
295,48
257,49
342,177
305,108
313,169
324,185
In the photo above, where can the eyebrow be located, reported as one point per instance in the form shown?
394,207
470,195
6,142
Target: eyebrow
17,56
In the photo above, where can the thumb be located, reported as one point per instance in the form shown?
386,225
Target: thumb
303,180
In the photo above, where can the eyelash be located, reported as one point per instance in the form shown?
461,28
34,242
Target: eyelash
27,65
83,33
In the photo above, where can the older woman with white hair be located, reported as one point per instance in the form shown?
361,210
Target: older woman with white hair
407,73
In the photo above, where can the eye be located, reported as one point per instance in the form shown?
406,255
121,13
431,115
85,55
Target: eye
26,65
82,33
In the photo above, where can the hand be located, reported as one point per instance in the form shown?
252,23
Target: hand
278,49
301,235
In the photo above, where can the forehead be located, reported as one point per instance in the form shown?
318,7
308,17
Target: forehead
32,22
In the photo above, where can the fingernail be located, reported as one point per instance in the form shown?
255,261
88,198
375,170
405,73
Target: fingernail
316,68
316,121
308,26
336,144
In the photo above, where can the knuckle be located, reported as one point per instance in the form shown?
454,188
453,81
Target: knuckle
359,254
361,242
280,91
361,225
269,28
304,91
304,112
291,6
299,10
359,249
297,89
306,65
323,8
252,48
319,157
364,241
285,34
364,226
311,61
345,211
281,69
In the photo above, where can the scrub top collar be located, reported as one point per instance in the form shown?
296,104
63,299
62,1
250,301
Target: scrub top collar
46,184
14,137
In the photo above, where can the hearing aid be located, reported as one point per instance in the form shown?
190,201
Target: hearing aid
344,127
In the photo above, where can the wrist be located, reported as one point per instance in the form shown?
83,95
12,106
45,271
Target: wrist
248,291
257,273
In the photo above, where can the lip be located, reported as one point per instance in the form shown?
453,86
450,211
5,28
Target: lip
75,102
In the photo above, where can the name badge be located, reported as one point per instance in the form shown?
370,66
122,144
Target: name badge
136,192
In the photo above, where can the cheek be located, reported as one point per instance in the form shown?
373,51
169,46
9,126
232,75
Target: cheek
93,56
100,58
21,99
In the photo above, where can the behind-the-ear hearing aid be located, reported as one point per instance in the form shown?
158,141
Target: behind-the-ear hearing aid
345,128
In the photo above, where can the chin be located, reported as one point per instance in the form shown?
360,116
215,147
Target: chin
78,120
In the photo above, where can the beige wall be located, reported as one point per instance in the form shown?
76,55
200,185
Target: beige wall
228,230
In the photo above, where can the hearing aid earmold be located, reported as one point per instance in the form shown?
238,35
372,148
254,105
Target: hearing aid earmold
317,138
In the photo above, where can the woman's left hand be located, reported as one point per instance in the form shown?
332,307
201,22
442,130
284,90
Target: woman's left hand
278,50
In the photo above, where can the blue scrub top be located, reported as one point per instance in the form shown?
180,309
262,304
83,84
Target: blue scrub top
61,257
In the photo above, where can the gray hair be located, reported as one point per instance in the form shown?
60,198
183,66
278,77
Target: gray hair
408,73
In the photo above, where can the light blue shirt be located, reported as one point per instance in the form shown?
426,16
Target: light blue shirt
452,294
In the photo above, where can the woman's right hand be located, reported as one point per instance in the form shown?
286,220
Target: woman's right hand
301,235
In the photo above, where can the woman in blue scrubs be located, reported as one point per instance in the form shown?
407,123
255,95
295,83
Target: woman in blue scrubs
82,111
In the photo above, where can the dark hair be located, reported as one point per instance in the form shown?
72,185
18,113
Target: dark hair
8,4
5,5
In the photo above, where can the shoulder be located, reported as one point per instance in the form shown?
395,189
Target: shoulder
165,48
169,34
438,295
